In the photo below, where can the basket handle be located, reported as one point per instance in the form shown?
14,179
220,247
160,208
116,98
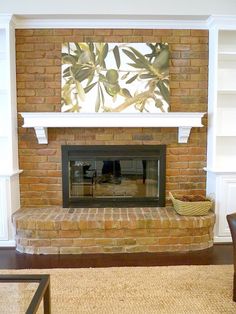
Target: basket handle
171,196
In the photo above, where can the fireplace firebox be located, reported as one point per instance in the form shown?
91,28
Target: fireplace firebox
113,175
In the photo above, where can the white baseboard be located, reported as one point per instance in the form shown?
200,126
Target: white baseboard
9,243
222,239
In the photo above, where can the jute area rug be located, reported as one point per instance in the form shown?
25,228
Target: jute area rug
128,290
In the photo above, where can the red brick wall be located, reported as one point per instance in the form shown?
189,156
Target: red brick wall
38,89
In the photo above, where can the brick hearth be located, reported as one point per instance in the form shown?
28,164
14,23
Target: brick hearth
110,230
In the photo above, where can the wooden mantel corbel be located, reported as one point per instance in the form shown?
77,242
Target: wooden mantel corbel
41,121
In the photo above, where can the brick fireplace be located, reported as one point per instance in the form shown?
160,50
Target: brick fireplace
38,58
38,88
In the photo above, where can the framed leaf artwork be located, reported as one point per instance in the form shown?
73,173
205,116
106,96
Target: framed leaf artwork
115,77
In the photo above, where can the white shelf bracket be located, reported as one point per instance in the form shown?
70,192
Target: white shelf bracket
41,134
183,134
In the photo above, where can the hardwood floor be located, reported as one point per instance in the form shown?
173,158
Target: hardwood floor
218,254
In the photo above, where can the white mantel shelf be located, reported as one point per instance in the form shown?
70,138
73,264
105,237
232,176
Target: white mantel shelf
41,121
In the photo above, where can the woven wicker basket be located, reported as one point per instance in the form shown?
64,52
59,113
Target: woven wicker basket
191,208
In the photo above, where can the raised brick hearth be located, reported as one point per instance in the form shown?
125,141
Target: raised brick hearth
110,230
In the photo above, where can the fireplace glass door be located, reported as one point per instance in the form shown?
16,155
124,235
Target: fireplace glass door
116,176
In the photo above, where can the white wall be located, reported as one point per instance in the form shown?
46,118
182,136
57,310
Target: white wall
9,172
120,7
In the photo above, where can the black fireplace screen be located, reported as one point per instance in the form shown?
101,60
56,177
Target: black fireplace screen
118,176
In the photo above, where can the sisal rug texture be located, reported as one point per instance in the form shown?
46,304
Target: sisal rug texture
131,290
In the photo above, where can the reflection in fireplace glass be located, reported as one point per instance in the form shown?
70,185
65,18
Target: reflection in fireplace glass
125,178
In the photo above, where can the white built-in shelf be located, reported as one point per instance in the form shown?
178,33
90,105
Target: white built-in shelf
226,91
41,121
220,170
226,117
227,55
11,173
227,132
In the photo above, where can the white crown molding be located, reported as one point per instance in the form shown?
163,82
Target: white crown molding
116,23
6,20
222,21
40,121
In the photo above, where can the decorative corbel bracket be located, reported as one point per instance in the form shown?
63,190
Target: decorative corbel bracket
41,134
183,134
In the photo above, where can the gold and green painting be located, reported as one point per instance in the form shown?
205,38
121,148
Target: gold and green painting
115,77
